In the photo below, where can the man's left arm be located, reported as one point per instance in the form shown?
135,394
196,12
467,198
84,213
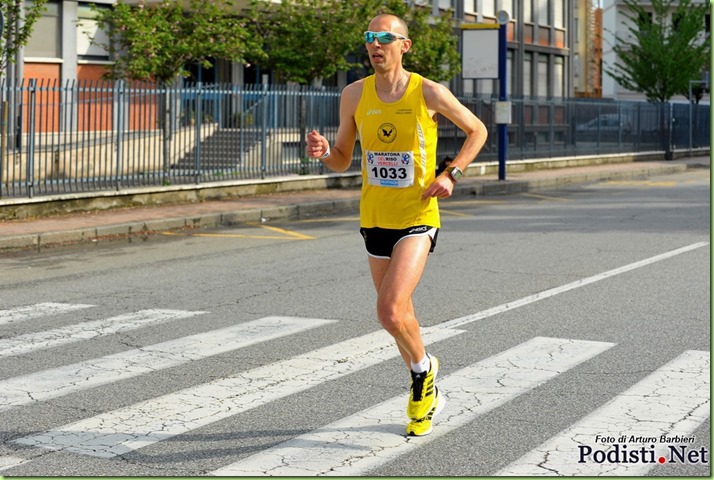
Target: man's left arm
439,99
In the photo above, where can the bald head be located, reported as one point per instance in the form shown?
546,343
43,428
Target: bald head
387,22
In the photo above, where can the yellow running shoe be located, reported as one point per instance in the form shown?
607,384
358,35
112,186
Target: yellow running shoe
421,427
421,395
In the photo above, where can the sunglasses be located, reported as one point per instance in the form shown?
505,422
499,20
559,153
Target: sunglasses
383,37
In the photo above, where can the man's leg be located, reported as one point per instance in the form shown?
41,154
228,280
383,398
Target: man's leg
395,280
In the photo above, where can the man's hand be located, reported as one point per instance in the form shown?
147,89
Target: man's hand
442,187
316,144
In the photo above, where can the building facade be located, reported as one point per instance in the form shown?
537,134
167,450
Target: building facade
545,47
59,48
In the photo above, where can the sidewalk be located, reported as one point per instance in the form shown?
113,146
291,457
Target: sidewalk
127,222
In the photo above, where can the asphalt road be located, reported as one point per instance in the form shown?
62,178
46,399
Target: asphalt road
573,329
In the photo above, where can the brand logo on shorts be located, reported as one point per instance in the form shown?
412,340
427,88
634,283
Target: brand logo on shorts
421,229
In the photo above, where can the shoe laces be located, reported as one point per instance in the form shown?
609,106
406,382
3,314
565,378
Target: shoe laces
417,385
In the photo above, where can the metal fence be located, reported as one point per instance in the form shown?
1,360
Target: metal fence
103,135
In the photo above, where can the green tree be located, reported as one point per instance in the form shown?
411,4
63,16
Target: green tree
660,56
307,40
18,26
161,41
434,53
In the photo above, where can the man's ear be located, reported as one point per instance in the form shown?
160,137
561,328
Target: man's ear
406,46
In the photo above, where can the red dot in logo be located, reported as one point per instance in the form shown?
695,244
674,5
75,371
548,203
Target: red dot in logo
661,459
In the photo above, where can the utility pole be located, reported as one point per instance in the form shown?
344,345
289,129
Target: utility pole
503,107
691,100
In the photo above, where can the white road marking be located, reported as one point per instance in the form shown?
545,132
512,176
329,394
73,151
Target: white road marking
109,433
121,431
31,342
458,322
7,462
672,401
39,310
60,381
356,444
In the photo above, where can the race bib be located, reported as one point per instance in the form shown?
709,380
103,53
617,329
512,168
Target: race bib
390,169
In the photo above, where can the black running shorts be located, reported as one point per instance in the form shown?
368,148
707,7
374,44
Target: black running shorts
380,242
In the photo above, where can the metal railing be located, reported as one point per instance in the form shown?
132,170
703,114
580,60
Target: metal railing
109,135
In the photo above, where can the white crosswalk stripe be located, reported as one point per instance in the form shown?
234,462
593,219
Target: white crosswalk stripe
31,342
59,381
121,431
370,438
674,400
8,461
671,402
457,322
39,310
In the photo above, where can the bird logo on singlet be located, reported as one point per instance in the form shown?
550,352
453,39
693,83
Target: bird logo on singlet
387,132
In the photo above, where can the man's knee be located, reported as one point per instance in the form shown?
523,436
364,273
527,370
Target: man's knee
391,317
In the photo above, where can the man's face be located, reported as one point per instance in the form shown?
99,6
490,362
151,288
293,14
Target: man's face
385,56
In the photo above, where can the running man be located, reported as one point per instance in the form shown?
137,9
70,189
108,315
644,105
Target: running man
394,112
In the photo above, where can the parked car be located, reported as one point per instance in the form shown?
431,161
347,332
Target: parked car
607,122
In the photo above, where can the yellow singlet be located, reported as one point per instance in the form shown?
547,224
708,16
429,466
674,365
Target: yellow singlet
398,142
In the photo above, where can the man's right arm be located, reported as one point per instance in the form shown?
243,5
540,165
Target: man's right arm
340,156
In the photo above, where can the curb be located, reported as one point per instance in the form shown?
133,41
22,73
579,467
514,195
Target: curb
517,186
78,202
142,230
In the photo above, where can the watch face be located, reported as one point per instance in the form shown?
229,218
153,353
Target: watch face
455,173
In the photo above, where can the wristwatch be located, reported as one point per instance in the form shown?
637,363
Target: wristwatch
455,173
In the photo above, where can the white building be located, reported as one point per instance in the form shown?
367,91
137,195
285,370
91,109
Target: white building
615,24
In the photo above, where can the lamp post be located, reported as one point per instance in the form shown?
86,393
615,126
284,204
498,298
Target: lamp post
691,126
503,108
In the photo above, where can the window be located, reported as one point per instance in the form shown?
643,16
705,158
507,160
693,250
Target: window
469,6
486,87
528,11
543,80
88,29
558,76
558,14
469,87
509,76
543,12
645,19
488,8
507,5
527,74
46,39
707,23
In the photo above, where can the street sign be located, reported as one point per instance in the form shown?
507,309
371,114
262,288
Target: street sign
479,56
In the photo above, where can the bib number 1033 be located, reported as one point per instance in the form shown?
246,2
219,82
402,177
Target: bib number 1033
389,173
390,169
